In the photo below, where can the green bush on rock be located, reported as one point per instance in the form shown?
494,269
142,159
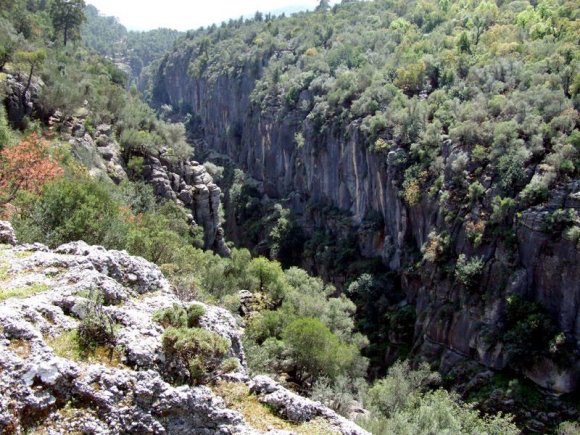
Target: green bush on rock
179,317
201,351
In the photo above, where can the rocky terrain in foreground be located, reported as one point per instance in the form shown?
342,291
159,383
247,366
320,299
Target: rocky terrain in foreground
47,387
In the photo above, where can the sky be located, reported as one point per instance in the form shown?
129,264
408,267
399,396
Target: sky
191,14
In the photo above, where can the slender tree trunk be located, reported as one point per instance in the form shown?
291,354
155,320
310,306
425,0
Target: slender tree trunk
65,35
29,79
27,88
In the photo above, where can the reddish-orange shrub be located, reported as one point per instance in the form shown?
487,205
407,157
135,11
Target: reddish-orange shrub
26,166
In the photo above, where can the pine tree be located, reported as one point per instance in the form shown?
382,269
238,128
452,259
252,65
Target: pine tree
67,17
323,6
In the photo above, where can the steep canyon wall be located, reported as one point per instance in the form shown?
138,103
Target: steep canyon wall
336,168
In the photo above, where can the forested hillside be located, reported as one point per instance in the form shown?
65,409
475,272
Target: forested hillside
106,36
389,210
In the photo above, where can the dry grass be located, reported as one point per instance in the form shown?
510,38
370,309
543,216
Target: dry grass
259,416
4,268
67,414
66,346
20,348
22,292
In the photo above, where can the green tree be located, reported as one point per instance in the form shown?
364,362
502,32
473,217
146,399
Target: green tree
70,210
315,351
269,277
8,42
67,17
464,45
31,60
323,6
483,17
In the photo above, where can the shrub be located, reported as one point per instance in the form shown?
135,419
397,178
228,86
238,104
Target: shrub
442,412
511,170
479,153
140,141
6,135
194,313
230,365
410,78
266,358
174,316
436,247
401,403
299,140
400,389
174,137
199,350
559,220
339,395
267,324
528,330
502,209
79,209
25,166
269,278
160,235
217,172
177,316
475,231
412,192
135,165
475,191
414,179
573,234
468,271
96,328
569,428
315,351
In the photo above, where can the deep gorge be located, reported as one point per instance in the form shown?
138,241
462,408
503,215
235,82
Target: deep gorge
337,169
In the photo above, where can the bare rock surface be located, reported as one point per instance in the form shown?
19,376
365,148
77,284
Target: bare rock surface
297,408
190,184
7,234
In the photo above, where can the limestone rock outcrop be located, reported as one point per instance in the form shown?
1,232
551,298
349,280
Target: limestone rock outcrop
19,100
296,408
7,234
96,149
190,184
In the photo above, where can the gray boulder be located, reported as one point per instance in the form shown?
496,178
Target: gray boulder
7,234
297,408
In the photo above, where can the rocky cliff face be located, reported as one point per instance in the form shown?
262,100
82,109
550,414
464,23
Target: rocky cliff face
190,185
19,101
43,296
337,169
187,183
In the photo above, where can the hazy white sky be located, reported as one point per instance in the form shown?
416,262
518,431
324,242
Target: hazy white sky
191,14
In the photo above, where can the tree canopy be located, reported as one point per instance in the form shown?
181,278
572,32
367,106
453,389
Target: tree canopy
67,17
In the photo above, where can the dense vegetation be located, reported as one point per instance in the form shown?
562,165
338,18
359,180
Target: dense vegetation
407,74
108,37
